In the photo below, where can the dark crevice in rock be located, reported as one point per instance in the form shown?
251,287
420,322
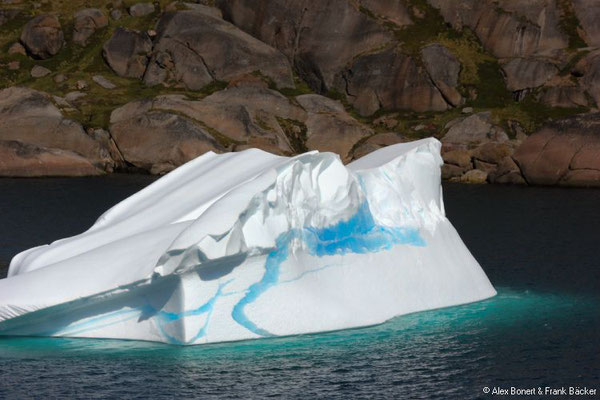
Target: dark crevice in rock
542,150
210,72
379,101
573,157
119,152
520,170
446,99
519,95
297,33
347,83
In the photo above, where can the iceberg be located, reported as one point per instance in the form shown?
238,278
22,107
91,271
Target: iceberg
249,245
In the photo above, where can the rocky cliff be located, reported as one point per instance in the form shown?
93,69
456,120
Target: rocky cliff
511,88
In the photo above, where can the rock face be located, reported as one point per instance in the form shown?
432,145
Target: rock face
158,141
86,22
318,37
526,36
476,151
72,97
19,159
245,116
566,152
443,68
490,161
358,53
474,129
492,153
28,116
38,71
193,49
591,78
474,176
232,119
524,73
459,157
389,80
203,7
254,116
588,14
391,10
115,14
17,48
329,127
127,52
508,28
141,9
102,81
376,142
43,36
163,133
507,172
566,96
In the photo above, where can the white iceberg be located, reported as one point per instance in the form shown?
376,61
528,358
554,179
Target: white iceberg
249,245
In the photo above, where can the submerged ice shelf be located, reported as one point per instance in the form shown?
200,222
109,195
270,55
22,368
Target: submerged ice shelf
248,245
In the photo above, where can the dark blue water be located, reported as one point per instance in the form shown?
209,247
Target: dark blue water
539,246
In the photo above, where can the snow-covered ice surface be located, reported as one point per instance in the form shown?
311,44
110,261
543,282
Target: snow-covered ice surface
248,245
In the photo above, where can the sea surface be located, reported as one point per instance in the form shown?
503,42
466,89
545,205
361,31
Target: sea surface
540,248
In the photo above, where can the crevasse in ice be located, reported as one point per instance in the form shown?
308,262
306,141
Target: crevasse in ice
248,245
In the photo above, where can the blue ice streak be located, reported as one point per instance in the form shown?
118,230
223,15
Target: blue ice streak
206,308
359,234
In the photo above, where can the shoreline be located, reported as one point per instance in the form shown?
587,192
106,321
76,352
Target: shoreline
147,175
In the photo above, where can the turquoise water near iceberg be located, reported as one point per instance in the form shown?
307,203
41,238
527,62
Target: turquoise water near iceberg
447,353
539,247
